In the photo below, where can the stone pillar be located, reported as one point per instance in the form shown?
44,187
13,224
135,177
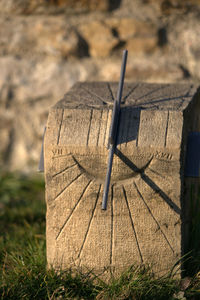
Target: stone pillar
144,221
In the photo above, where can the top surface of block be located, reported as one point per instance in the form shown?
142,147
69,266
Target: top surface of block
139,95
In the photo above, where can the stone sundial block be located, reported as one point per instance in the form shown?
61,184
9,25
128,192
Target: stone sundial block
147,217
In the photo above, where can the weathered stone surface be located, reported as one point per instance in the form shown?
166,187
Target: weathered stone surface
99,38
141,45
37,36
128,27
26,87
144,220
52,6
42,54
31,86
176,6
186,49
140,37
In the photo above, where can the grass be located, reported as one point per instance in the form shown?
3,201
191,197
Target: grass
23,273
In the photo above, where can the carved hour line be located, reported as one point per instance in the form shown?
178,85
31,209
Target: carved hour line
129,93
106,128
67,186
73,209
166,131
128,126
98,134
90,121
153,91
157,173
160,100
58,139
90,221
149,210
132,224
188,91
137,138
69,167
120,134
83,101
94,94
181,103
111,235
64,155
110,90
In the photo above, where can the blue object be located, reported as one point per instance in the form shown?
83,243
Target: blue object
192,163
113,130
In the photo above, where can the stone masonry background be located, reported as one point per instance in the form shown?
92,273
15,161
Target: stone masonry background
48,45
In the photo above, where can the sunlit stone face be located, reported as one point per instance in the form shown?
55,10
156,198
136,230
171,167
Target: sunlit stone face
142,223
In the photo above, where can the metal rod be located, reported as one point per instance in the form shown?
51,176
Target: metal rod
41,162
108,175
122,75
113,130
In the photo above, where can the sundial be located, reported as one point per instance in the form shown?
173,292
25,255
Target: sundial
143,217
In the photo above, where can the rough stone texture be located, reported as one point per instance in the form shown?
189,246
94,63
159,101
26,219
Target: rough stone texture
44,36
144,221
141,45
186,48
99,37
53,6
43,53
129,27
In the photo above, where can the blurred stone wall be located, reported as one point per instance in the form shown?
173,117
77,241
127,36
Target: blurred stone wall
48,45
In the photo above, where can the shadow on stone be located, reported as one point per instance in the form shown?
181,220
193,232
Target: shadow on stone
152,184
131,117
114,4
83,47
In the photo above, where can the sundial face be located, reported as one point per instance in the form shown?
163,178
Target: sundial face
142,221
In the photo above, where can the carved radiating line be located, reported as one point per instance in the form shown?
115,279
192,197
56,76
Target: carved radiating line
64,155
153,91
158,190
84,101
62,171
58,139
153,105
129,93
90,221
90,121
136,143
120,133
149,210
155,172
94,94
73,209
132,224
128,126
98,134
166,131
106,128
189,90
110,90
67,186
181,103
111,231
